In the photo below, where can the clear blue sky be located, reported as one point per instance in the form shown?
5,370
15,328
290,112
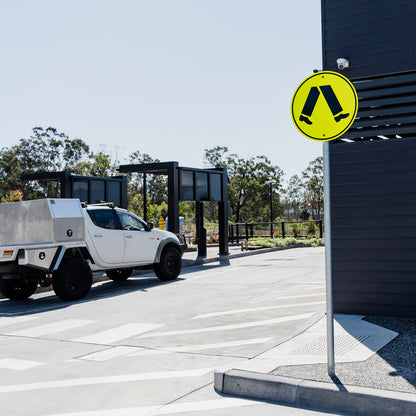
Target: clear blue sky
166,77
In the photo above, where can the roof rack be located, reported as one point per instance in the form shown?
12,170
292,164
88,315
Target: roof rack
98,204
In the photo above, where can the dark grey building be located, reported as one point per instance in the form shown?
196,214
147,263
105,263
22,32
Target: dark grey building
373,165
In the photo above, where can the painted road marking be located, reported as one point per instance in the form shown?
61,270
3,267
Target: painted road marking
131,411
123,351
235,343
16,320
312,283
30,310
59,326
127,378
265,308
204,405
19,365
168,409
228,327
300,296
117,334
109,354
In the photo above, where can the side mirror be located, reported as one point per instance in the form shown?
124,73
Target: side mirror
150,226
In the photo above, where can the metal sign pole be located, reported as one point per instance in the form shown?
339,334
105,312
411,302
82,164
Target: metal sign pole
328,264
320,125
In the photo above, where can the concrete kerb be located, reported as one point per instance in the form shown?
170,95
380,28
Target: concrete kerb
316,394
204,260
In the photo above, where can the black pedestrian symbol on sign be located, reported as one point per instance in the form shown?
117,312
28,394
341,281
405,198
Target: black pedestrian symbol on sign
324,106
330,98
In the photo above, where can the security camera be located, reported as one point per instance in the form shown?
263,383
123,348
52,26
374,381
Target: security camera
343,63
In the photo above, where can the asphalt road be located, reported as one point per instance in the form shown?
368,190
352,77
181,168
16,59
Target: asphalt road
143,347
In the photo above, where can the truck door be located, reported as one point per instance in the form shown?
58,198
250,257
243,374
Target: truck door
107,236
139,244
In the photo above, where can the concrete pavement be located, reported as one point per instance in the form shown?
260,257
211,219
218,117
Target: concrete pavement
375,364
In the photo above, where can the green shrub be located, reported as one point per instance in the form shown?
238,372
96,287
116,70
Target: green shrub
280,242
296,230
316,242
284,242
311,228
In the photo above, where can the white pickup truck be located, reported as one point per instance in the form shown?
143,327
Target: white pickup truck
61,242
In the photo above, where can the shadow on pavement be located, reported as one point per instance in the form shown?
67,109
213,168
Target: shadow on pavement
399,356
139,282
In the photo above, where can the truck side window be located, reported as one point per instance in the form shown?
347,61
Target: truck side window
130,223
104,218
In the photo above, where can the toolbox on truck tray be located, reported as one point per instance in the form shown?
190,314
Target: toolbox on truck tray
41,221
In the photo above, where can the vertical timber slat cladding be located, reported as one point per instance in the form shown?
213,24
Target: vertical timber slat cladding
376,36
373,223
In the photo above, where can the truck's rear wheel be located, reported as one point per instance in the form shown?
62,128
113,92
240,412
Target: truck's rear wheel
170,264
72,280
119,275
18,289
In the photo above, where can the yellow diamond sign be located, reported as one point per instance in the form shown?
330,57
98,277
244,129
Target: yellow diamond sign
324,106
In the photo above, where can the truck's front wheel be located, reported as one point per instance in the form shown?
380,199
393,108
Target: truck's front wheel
73,280
170,264
18,289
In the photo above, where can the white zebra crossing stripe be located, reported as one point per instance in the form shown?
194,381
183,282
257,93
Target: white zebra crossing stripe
300,296
75,382
47,329
226,344
15,320
203,405
230,327
315,284
110,354
123,351
131,411
264,308
19,365
117,334
169,409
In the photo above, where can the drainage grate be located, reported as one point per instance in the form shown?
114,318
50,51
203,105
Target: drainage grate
343,344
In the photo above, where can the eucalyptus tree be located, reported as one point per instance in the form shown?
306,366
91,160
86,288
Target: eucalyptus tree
248,183
293,197
156,185
46,150
313,186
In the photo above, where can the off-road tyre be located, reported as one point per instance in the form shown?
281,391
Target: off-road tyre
170,264
18,289
72,280
119,275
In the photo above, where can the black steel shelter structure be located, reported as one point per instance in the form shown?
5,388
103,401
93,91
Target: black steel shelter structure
90,189
184,184
190,184
373,165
